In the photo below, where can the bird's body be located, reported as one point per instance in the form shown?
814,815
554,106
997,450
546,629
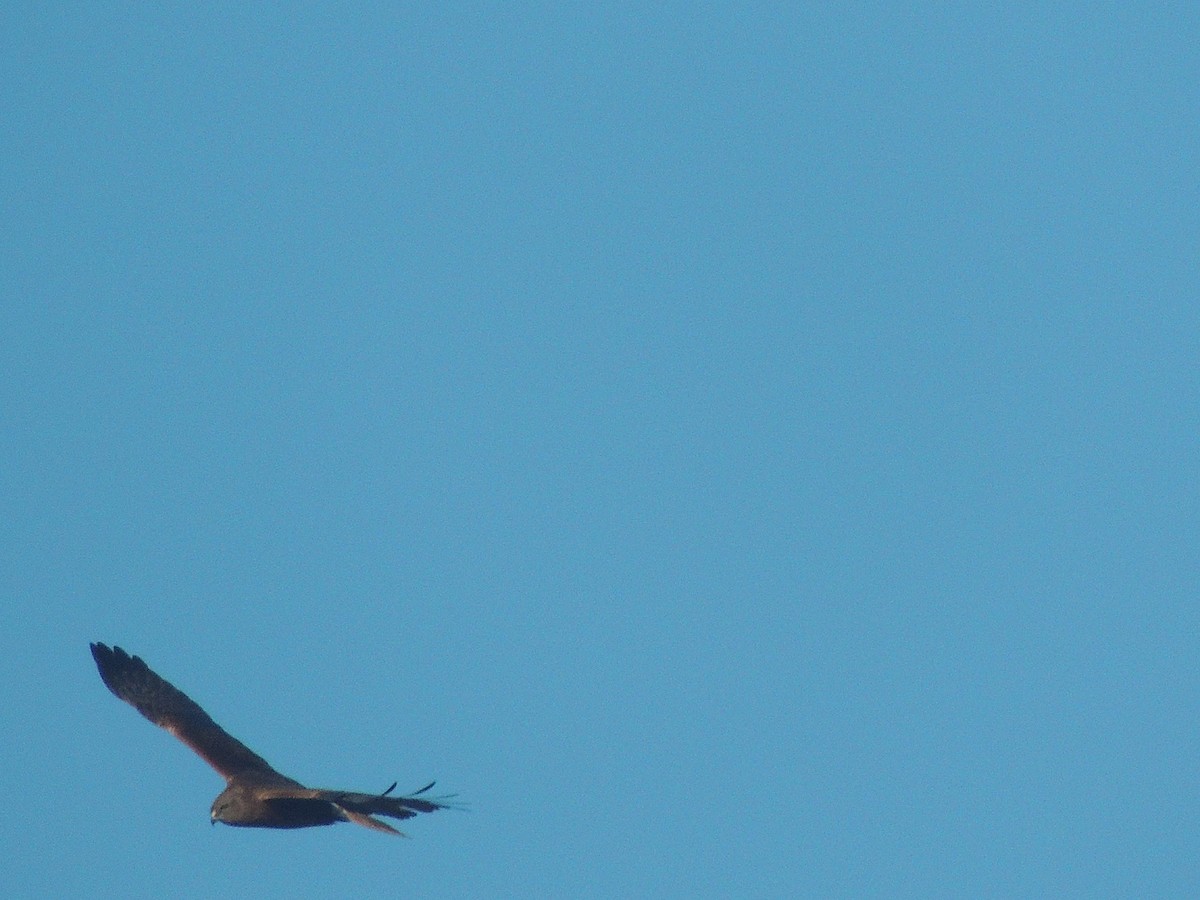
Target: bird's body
256,795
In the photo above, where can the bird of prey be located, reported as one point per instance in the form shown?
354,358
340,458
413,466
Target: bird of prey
256,795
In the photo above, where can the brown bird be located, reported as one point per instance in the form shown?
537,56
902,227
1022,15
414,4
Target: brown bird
256,796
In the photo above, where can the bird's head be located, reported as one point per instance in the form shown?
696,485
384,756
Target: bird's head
225,808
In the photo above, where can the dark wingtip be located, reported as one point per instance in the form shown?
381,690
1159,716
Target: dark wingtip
112,662
101,654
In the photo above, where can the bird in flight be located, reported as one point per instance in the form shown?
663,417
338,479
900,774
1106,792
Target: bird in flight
256,796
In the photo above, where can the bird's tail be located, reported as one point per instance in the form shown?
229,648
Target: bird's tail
359,808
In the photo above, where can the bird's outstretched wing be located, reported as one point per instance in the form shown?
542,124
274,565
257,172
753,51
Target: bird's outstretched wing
167,706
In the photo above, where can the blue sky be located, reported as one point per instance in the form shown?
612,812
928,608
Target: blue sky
746,450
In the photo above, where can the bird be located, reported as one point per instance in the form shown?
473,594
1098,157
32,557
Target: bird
255,796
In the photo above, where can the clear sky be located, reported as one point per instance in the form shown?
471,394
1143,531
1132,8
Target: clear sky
745,449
